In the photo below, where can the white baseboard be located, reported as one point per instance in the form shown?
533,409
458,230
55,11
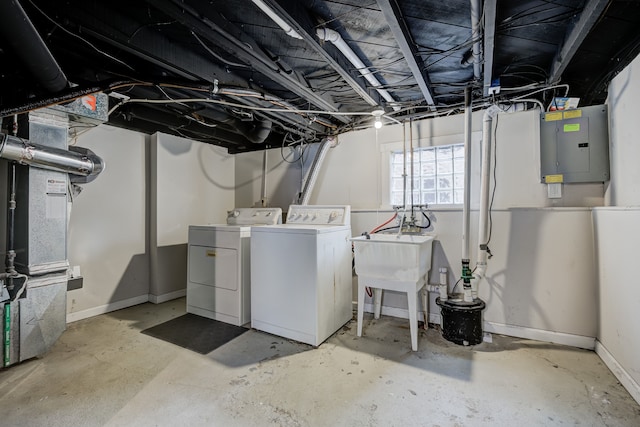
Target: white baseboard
498,328
102,309
618,371
159,299
572,340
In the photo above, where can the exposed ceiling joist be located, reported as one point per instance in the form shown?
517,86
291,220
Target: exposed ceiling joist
213,27
489,43
574,38
395,19
308,35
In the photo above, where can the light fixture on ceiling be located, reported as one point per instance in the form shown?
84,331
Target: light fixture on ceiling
277,19
378,118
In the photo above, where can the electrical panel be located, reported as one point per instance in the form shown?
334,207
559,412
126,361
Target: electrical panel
574,145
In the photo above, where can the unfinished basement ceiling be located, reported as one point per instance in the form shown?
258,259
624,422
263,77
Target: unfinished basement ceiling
226,73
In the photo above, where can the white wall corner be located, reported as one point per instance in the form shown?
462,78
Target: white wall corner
159,299
618,371
107,308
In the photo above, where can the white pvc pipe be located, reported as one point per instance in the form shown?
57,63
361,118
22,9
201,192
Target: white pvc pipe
277,19
467,175
329,35
485,183
263,196
475,34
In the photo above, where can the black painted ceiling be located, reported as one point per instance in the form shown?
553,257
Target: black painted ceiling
225,73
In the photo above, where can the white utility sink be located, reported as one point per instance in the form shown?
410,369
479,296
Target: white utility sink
403,257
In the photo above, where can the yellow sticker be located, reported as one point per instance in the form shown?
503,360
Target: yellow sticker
572,114
552,117
571,127
553,179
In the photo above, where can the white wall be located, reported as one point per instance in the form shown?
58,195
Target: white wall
108,226
191,183
543,251
128,228
617,229
624,150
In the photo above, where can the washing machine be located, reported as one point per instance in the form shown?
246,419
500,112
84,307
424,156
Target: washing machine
218,265
301,274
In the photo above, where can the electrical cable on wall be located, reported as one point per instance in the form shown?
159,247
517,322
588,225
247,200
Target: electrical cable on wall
495,184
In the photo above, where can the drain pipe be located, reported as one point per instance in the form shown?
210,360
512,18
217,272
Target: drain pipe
84,164
475,34
329,35
485,182
263,197
466,215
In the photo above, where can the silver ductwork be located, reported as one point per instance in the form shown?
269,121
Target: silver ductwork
33,287
314,170
76,161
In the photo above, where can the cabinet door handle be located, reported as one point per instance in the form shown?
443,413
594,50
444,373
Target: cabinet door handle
211,253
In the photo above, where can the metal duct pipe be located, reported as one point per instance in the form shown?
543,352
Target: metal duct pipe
314,170
22,36
85,164
475,34
256,131
329,35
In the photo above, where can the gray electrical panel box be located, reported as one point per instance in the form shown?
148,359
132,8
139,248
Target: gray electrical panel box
574,145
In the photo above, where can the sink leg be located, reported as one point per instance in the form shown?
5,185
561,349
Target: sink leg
360,305
412,298
377,302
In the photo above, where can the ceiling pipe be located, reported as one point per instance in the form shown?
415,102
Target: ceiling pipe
475,34
276,18
329,35
18,31
294,29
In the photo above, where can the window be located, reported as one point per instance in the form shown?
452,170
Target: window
438,176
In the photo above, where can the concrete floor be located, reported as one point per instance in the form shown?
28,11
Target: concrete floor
103,371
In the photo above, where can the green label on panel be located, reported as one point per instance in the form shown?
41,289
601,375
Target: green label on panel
572,127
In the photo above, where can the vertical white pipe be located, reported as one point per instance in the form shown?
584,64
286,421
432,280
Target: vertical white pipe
404,165
263,196
485,183
467,174
475,34
411,157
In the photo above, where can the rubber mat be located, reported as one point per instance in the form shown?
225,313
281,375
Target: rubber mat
195,333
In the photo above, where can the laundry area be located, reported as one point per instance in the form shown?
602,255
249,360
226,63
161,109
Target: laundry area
319,213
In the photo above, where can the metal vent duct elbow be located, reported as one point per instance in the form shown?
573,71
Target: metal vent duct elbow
256,132
81,163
